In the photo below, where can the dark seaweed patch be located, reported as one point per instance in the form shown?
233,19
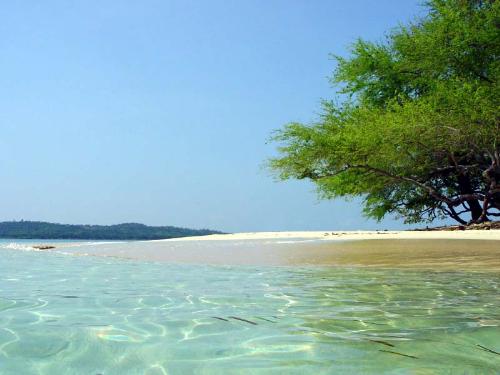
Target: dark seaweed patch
267,320
401,354
217,317
243,320
382,342
488,350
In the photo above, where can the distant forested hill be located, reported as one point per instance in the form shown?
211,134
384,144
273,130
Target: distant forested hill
128,231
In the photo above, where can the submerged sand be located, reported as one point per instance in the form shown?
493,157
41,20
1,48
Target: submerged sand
474,250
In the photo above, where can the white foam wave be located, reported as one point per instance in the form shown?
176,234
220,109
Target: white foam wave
18,246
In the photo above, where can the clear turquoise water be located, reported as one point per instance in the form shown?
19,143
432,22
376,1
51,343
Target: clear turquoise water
63,314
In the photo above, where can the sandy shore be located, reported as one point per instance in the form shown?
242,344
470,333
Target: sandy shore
477,250
461,250
351,235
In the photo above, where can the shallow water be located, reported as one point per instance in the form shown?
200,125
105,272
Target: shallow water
65,314
438,254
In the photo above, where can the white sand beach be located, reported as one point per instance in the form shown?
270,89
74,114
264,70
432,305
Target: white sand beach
351,235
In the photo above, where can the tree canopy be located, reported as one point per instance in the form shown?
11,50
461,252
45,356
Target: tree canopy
415,130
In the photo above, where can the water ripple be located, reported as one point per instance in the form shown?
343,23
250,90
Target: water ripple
78,315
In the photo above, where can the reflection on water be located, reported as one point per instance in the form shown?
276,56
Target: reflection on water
62,314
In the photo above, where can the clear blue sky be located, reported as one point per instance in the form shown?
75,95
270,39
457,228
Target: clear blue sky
159,111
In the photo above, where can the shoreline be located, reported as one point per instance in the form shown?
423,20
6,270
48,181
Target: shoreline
296,249
416,234
449,250
347,235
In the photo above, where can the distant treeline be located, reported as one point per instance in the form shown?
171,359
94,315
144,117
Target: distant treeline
128,231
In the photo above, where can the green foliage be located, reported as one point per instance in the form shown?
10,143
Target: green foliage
419,134
128,231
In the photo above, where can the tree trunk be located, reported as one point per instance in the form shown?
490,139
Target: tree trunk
465,187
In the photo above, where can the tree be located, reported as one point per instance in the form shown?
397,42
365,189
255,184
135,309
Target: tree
418,131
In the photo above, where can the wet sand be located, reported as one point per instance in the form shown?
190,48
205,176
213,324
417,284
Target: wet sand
436,254
430,254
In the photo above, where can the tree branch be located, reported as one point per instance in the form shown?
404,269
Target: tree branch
413,181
